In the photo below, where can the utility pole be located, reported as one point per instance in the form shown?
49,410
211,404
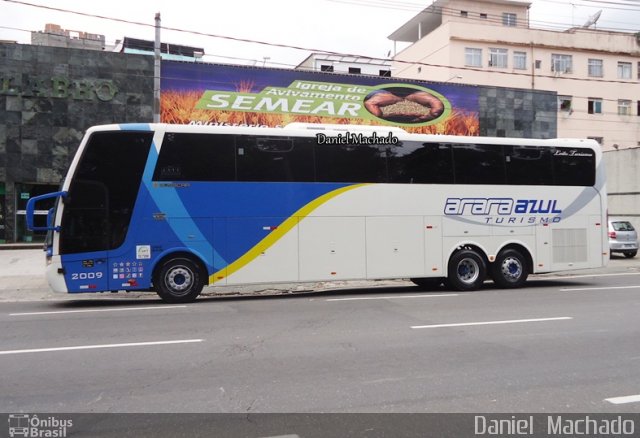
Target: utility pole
156,72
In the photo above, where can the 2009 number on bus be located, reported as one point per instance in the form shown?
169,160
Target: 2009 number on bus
86,275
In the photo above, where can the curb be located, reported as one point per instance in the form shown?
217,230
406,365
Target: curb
38,245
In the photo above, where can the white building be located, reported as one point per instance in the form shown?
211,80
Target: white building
489,42
346,64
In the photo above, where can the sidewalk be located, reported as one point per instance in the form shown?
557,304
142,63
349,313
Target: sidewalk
22,278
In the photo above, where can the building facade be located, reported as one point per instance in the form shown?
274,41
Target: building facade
48,97
595,73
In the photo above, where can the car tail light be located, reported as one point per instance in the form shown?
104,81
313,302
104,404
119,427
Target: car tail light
612,234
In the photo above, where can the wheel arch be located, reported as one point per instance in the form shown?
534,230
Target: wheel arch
478,248
181,252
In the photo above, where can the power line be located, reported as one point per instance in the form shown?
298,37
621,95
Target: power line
327,52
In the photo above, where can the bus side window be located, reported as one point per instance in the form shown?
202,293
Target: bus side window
479,164
196,157
420,163
574,167
350,163
528,165
274,159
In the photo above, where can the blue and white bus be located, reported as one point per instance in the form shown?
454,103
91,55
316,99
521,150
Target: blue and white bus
175,208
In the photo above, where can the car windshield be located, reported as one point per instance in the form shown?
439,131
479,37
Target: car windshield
622,226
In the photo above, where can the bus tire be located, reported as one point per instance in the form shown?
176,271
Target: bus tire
466,270
178,280
427,283
510,269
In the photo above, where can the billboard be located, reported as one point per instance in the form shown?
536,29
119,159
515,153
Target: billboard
212,94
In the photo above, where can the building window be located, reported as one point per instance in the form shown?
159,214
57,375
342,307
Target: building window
624,107
325,67
498,58
464,14
638,109
385,73
595,68
483,16
355,70
509,19
561,63
472,57
564,103
538,64
639,70
624,70
594,105
520,60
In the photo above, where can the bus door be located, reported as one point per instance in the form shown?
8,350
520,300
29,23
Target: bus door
97,211
85,238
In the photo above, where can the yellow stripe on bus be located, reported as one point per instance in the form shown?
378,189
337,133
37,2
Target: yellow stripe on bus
277,234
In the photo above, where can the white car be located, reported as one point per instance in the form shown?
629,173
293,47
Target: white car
623,238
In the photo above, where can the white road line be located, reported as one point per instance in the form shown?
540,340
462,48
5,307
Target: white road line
512,321
560,277
93,347
598,288
115,309
623,400
399,297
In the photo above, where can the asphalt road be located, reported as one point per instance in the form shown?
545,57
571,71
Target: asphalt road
558,345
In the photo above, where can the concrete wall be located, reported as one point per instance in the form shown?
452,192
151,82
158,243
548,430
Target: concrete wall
49,96
623,184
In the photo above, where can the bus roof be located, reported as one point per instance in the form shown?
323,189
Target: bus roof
310,130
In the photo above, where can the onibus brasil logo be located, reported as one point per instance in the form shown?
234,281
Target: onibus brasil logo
27,425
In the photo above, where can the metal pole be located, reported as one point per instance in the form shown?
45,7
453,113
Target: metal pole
156,72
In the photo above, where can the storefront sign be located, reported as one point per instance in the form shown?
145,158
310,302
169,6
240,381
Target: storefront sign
59,87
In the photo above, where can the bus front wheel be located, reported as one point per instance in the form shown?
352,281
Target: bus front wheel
467,270
178,280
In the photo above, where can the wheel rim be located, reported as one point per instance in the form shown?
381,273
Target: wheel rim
468,271
511,268
179,280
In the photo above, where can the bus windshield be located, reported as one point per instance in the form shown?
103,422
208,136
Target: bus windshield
103,191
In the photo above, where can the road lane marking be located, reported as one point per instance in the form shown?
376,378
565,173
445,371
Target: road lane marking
623,400
560,277
115,309
598,288
93,347
511,321
392,297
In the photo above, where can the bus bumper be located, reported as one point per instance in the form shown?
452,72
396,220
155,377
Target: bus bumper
55,276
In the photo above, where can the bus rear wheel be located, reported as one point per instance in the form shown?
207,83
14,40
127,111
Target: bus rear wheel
466,271
178,280
510,269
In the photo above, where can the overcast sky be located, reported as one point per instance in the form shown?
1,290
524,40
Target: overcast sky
347,26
